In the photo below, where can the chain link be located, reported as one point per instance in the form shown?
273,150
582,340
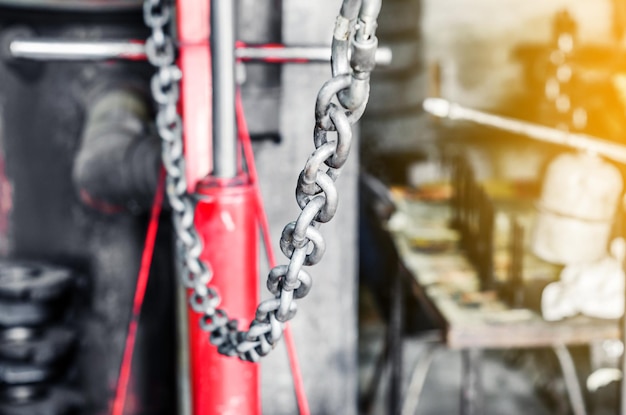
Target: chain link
561,79
340,103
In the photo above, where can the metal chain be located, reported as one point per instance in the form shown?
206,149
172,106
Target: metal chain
353,49
561,79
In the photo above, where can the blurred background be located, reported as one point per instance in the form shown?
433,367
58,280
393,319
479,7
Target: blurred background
510,211
476,263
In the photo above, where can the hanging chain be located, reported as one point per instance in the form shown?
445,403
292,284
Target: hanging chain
561,79
353,48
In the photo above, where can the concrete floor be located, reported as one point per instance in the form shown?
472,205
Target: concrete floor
507,391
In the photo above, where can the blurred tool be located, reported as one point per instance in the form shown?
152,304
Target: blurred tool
580,192
576,209
594,289
570,84
442,108
474,217
561,80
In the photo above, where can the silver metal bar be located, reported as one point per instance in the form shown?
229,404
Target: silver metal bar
444,109
568,367
472,393
223,68
182,350
73,50
59,49
316,54
307,54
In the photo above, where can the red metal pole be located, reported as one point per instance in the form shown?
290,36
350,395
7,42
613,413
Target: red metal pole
196,85
226,221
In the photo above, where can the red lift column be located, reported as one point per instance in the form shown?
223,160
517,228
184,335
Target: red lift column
226,219
226,212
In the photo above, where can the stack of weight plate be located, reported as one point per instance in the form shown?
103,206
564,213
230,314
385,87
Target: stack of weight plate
35,346
394,121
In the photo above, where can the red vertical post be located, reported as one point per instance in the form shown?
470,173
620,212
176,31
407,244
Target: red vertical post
196,87
227,223
226,219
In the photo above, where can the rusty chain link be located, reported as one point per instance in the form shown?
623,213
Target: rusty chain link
340,103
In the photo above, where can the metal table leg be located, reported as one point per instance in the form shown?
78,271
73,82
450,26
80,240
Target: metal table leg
572,384
395,344
418,378
369,396
472,399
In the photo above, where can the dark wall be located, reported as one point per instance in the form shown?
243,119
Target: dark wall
42,110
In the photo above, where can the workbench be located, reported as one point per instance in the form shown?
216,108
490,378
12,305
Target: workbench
471,320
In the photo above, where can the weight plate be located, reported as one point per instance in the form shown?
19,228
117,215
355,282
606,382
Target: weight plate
36,346
21,394
32,280
24,313
53,401
15,373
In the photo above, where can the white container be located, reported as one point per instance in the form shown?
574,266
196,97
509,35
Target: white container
576,210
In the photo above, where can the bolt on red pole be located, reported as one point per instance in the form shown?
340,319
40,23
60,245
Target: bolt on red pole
226,212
